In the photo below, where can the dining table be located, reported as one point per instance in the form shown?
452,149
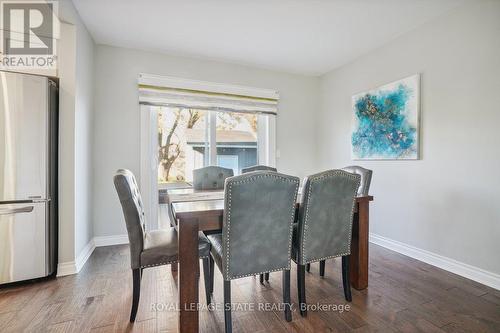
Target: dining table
195,210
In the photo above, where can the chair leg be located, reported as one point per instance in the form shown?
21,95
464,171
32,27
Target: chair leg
286,295
322,268
227,307
136,293
345,278
308,268
301,284
206,277
261,277
212,271
266,277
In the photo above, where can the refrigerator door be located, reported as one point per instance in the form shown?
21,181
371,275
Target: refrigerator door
23,246
23,137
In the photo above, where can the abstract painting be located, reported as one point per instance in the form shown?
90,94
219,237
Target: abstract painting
386,122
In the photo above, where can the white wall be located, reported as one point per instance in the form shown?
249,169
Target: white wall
76,70
117,123
84,104
447,202
66,203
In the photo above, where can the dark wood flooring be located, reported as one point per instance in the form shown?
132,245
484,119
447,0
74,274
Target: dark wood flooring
404,295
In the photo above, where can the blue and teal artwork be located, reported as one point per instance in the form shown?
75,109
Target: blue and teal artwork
386,121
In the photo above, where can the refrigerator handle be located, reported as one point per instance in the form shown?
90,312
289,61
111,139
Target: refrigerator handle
27,209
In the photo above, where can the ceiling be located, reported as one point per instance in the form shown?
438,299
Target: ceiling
308,37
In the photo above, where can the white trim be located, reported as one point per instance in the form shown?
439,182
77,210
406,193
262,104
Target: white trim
468,271
266,140
85,255
262,139
73,267
212,138
149,165
110,240
66,268
271,143
179,83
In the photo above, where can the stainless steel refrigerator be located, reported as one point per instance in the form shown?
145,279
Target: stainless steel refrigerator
28,177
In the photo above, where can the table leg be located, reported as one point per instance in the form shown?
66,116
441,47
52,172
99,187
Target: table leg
359,247
188,275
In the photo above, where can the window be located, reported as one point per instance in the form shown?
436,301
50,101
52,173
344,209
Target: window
186,125
184,142
236,137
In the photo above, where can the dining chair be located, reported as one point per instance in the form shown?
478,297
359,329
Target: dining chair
151,248
211,177
366,178
259,210
364,187
258,168
324,225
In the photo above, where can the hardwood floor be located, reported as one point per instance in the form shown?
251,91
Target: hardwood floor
404,295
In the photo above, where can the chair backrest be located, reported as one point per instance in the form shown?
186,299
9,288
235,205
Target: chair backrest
325,215
258,168
211,177
133,211
366,177
258,216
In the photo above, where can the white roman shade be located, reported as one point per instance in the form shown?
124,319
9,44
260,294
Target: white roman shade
174,92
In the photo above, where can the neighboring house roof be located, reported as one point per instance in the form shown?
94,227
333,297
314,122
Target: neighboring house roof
197,136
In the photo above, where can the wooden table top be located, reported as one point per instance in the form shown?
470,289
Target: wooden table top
207,207
193,195
186,206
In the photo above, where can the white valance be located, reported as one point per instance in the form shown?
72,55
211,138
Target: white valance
175,92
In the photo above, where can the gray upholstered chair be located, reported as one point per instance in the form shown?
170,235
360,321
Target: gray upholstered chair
366,178
259,210
153,248
211,177
363,190
324,225
258,168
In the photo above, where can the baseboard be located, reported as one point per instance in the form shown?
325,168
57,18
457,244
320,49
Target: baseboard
110,240
73,267
468,271
66,268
